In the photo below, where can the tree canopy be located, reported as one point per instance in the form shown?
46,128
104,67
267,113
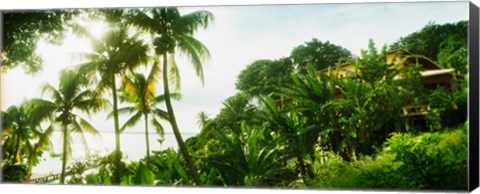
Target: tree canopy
444,43
262,76
23,30
319,54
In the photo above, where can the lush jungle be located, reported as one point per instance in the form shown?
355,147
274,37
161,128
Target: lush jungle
293,123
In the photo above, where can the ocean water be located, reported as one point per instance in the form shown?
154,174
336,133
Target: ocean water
132,145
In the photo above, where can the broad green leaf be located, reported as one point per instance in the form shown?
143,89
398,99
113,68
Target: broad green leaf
92,179
144,175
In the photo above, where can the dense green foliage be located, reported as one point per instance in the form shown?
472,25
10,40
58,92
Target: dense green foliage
23,141
23,30
319,55
435,161
289,125
446,44
262,76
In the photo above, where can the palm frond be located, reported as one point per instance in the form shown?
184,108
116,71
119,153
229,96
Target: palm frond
52,91
132,121
140,19
132,53
92,105
161,98
153,77
87,127
195,52
70,84
84,141
173,73
158,127
90,68
123,111
44,140
41,109
160,113
155,72
128,88
101,88
200,49
78,131
191,22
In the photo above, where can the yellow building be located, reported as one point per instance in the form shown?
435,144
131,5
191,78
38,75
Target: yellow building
432,76
341,70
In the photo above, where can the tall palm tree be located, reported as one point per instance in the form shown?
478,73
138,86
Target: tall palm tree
70,96
173,33
139,91
112,56
19,129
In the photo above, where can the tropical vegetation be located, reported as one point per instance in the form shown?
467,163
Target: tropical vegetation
289,125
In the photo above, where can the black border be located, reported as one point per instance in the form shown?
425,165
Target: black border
473,54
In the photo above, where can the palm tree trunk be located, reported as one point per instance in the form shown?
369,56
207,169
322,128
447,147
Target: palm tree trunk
173,122
30,164
302,167
146,138
64,155
118,170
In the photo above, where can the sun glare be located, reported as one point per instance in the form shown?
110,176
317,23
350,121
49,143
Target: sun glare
98,28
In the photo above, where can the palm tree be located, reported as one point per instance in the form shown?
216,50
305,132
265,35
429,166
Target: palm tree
237,108
251,159
116,53
173,32
70,96
202,119
140,92
19,129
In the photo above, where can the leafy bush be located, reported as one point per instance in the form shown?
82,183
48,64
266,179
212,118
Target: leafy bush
249,160
427,161
14,173
364,173
168,168
432,160
106,169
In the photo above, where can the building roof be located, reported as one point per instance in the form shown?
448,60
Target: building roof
399,50
415,58
430,68
335,67
429,73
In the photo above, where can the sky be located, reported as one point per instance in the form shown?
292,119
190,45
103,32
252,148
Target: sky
243,34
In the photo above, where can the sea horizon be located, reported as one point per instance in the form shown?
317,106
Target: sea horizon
132,144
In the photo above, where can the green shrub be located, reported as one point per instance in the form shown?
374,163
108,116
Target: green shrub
168,168
366,173
432,160
14,173
427,161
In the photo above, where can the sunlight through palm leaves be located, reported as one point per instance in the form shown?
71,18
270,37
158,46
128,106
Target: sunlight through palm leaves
173,33
116,53
71,95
